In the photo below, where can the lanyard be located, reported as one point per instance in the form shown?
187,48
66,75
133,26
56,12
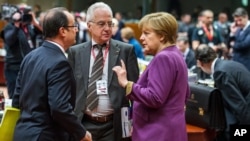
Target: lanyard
105,54
209,34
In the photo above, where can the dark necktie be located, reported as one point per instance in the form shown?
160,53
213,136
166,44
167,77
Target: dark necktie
96,74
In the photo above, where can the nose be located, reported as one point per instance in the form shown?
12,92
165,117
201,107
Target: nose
141,37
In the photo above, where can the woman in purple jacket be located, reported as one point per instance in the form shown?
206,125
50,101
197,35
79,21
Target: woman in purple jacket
160,94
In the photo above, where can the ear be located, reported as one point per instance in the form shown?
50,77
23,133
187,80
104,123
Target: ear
162,38
199,63
62,31
88,25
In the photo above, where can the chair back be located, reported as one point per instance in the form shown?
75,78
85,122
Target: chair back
8,123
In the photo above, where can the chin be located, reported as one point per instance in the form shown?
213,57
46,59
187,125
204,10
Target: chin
150,53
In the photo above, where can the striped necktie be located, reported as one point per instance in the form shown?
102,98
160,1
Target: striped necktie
96,74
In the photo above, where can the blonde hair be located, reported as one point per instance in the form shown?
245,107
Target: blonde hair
127,33
163,24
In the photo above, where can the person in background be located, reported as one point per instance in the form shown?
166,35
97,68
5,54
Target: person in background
240,37
209,34
116,32
119,18
188,54
45,87
19,37
184,24
231,79
224,26
128,36
37,10
82,35
99,97
39,37
161,92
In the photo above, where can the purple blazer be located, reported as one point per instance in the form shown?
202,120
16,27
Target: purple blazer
159,98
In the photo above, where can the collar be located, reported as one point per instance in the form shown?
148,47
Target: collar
186,52
245,27
94,43
61,48
212,67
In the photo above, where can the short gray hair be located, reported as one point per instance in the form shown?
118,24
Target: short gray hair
91,9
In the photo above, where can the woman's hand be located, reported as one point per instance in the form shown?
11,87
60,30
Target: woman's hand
88,137
121,74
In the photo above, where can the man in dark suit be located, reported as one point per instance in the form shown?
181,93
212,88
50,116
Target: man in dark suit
45,88
240,37
231,78
104,121
188,53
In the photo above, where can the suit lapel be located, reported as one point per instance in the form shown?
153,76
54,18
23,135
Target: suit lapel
85,62
217,63
114,51
188,57
242,33
246,31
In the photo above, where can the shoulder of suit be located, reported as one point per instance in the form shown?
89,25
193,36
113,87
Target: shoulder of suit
120,43
248,27
80,45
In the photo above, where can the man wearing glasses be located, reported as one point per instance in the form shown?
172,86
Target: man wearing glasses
45,88
99,101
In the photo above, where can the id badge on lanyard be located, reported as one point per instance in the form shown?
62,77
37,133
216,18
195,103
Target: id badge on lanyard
101,87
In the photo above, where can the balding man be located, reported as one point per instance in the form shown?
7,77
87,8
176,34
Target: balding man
233,84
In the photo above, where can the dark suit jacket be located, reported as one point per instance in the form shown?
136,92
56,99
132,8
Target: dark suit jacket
79,58
241,48
190,59
232,78
45,93
16,45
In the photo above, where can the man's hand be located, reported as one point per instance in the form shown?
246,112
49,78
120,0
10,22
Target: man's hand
17,19
87,137
233,28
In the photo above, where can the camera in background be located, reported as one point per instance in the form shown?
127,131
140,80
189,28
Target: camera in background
8,10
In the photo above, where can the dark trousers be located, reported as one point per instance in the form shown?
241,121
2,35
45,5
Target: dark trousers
99,131
222,136
10,77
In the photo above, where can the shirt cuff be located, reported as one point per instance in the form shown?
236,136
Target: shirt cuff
129,87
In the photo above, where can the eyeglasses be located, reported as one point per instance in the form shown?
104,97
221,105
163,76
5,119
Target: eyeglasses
75,25
102,24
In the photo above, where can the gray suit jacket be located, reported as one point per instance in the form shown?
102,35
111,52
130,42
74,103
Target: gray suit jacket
79,58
